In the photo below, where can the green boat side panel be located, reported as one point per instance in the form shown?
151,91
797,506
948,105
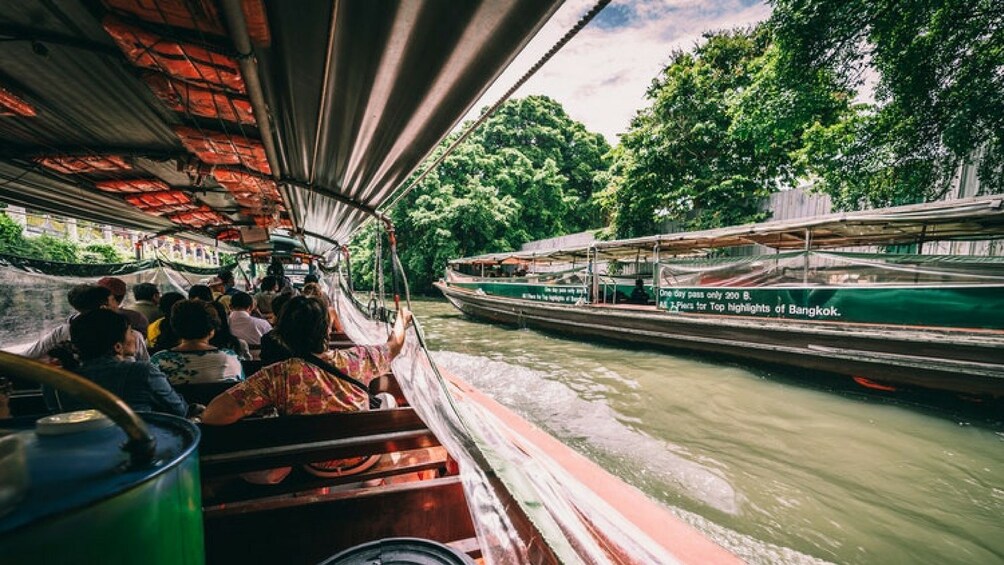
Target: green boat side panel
561,294
966,306
954,307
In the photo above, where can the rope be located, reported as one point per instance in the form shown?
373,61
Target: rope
583,21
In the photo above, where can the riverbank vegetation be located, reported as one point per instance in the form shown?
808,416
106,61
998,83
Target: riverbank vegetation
873,102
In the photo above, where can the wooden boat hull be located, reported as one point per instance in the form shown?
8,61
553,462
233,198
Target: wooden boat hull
969,362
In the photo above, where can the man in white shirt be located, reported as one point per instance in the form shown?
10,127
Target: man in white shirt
242,324
84,298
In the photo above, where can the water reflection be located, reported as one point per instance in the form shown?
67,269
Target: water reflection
773,468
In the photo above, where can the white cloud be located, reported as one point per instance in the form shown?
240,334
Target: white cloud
601,76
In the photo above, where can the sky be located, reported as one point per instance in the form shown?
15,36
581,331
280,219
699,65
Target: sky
601,76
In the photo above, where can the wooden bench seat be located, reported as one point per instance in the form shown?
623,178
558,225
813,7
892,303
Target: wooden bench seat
267,443
310,528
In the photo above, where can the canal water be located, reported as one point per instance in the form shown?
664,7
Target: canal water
773,468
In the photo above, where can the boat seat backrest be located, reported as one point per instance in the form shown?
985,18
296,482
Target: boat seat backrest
266,443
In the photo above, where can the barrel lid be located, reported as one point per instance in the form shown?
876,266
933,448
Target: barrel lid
400,551
72,422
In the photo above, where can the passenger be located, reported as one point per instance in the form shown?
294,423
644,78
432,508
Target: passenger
160,333
83,298
263,298
119,289
272,348
243,324
275,269
147,297
225,338
102,340
200,292
227,279
305,384
314,289
638,295
195,359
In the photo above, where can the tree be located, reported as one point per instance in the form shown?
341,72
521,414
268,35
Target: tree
722,132
97,253
51,249
939,97
11,235
528,173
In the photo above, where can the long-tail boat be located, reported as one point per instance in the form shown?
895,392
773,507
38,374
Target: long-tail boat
848,293
234,123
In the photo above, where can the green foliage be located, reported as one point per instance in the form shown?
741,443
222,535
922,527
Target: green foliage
51,249
940,92
11,235
227,259
723,131
101,253
528,173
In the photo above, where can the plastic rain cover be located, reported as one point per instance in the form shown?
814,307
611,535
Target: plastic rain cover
498,470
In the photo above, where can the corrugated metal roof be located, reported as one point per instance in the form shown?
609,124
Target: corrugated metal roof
357,94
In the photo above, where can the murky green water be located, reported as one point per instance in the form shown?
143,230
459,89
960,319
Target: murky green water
775,471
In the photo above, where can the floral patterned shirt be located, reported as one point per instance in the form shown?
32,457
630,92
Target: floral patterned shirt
183,367
295,387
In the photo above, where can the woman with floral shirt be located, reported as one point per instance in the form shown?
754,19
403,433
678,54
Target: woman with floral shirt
194,359
297,387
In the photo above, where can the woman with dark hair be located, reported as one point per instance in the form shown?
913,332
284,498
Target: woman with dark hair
195,359
225,338
160,334
315,380
102,339
272,348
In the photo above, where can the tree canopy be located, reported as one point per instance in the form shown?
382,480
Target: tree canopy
939,97
529,172
724,130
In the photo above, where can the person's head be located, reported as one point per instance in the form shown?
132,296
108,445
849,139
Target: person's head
268,284
168,301
194,320
312,289
277,303
88,297
241,301
275,268
303,325
311,279
117,286
101,332
146,291
200,292
227,278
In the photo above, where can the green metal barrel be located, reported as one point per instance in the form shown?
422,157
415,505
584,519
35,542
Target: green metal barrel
85,504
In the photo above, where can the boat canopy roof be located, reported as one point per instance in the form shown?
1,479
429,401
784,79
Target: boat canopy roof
979,218
211,120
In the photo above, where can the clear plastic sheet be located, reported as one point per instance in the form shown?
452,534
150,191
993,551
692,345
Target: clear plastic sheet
498,469
32,301
819,268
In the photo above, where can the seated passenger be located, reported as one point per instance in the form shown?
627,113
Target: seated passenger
147,297
308,383
84,298
160,334
102,340
224,338
272,348
242,324
119,289
200,292
195,359
314,289
638,295
263,298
